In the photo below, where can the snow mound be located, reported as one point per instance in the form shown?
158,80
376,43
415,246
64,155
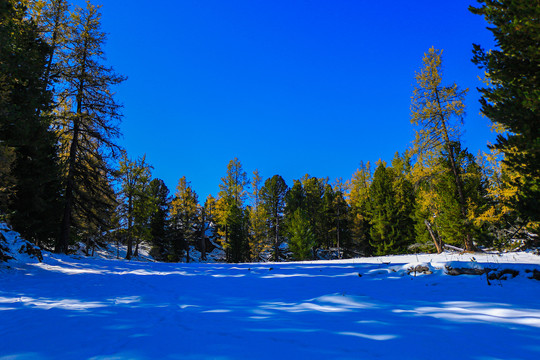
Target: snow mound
14,248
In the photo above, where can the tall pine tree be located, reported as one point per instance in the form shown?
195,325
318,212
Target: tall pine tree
232,229
33,180
89,121
512,99
273,200
184,214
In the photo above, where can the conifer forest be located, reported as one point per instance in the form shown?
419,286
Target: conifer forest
66,181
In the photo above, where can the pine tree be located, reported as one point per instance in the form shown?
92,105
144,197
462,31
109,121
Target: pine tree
313,205
234,184
88,118
206,223
7,156
138,204
231,218
512,99
259,241
301,237
450,228
426,172
295,199
273,200
341,218
405,199
237,249
438,110
438,210
383,233
159,219
328,216
184,213
54,24
33,180
359,202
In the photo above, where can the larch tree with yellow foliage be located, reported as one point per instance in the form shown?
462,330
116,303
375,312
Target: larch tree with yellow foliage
231,216
259,243
438,111
89,120
184,214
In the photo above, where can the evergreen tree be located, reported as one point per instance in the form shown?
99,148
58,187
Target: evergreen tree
359,202
512,99
88,120
426,172
138,204
206,223
438,210
159,219
301,237
405,199
383,233
341,218
185,213
234,184
438,110
7,156
237,249
328,216
231,218
55,25
450,228
259,241
33,180
295,199
314,192
273,200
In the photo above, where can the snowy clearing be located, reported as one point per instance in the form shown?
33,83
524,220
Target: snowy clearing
371,308
405,307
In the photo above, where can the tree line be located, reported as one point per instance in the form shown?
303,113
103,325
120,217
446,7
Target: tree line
65,180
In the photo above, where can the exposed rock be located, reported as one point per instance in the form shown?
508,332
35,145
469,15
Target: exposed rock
502,274
420,269
535,274
466,271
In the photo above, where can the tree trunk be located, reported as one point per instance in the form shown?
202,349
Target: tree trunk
276,241
64,238
438,243
130,227
338,230
53,44
203,241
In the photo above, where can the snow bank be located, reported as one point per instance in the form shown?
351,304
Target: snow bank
15,248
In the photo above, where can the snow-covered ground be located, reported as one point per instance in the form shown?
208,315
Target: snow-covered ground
372,308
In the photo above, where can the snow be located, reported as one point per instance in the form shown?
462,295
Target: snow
13,246
370,308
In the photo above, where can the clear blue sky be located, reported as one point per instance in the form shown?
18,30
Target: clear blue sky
288,86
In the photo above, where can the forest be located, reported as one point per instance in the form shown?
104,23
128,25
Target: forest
64,180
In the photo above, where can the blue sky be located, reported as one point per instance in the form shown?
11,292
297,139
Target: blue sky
288,86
